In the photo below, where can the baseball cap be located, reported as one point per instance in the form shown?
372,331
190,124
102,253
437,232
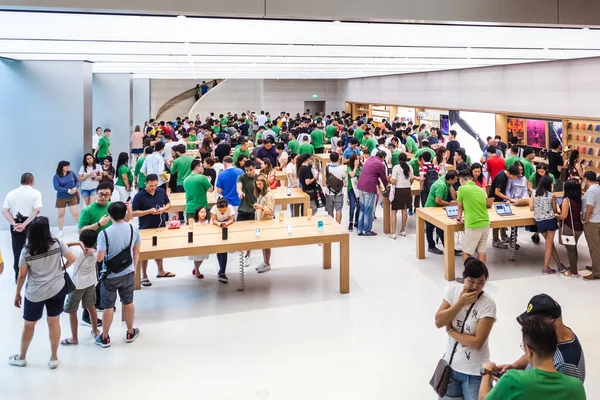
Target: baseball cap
543,305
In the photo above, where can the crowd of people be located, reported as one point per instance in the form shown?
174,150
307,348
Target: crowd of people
238,156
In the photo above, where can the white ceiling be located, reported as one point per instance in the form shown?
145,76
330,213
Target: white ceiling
175,47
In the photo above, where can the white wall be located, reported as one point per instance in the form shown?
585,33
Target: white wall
141,101
563,88
163,90
272,95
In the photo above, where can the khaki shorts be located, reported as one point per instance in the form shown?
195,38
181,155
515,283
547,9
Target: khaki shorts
475,240
71,201
87,298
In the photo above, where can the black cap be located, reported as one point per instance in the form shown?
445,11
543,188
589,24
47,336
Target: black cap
542,304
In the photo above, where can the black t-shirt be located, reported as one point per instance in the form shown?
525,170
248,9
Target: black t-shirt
243,128
211,174
500,182
304,174
452,146
222,151
503,146
555,163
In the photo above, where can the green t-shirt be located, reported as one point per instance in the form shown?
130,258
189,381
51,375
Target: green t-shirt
414,164
535,384
246,204
258,136
306,148
348,170
370,144
438,189
182,167
423,150
509,161
196,186
103,144
533,182
224,122
92,214
190,144
124,170
138,172
215,129
293,146
276,129
317,136
358,134
473,199
330,131
528,167
396,158
238,151
411,146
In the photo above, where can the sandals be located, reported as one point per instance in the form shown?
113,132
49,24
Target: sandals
67,342
146,282
393,236
199,276
166,275
568,274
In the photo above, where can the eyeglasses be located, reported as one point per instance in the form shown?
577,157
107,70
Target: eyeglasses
101,194
522,346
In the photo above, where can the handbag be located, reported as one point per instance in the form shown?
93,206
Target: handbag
568,240
120,261
69,285
319,196
441,376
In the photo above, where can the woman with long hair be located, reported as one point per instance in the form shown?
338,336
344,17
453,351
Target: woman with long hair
543,205
569,213
517,189
575,169
205,149
65,183
307,180
441,156
540,170
137,144
402,179
265,210
353,170
89,176
478,178
241,161
124,177
108,171
42,264
268,171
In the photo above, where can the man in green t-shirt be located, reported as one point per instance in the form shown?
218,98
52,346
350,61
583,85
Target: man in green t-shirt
472,201
369,143
318,137
103,149
425,148
510,160
330,131
359,134
306,147
438,193
241,149
293,144
139,179
182,166
528,156
542,381
196,187
411,146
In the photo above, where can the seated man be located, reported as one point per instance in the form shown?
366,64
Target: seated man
542,381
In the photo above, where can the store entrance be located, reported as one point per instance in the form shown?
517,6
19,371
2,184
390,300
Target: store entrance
315,107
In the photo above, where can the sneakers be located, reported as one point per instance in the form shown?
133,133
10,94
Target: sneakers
16,362
104,343
130,337
548,271
435,250
393,236
223,278
498,244
53,364
59,234
403,233
535,238
350,228
458,252
87,322
246,261
264,268
410,211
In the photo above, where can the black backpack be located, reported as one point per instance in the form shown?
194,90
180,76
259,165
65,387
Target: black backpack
334,184
430,177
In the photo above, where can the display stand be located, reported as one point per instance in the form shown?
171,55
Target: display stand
584,136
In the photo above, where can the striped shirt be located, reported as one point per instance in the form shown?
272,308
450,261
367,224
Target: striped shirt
569,359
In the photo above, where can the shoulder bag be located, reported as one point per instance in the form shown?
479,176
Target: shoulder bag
122,260
69,285
568,240
441,376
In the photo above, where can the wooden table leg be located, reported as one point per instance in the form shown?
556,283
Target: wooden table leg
326,255
306,207
420,237
296,208
284,207
449,254
345,265
386,215
137,279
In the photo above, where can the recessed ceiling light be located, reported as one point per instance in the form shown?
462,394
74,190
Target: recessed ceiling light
585,28
337,22
181,17
546,49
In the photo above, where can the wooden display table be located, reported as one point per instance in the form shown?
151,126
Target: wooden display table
322,159
415,190
273,234
537,160
437,216
298,197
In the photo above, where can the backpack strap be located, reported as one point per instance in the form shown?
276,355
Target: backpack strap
105,239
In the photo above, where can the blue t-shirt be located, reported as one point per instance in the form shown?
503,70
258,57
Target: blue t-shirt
348,152
119,236
145,201
227,181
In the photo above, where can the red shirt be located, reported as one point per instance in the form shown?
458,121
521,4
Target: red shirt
494,165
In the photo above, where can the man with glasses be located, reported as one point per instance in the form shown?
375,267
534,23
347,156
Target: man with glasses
542,380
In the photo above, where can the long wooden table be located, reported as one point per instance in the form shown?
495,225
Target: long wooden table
437,216
322,159
298,197
273,234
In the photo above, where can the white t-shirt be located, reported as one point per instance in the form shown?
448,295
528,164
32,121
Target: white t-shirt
592,198
168,154
89,183
401,180
24,200
224,217
83,271
154,164
95,140
466,360
290,169
261,119
283,157
388,154
339,171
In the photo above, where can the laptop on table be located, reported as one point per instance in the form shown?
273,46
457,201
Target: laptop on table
452,212
503,209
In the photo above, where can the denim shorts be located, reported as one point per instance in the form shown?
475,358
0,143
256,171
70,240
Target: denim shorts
463,386
547,225
33,311
110,286
88,193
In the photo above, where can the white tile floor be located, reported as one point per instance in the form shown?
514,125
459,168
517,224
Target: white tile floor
291,335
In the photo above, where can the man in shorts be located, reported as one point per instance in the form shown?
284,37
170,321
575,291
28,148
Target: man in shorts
334,190
472,202
112,241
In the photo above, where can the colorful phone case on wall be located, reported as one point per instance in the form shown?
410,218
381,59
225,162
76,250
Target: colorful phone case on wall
577,126
569,125
590,127
590,151
590,139
597,128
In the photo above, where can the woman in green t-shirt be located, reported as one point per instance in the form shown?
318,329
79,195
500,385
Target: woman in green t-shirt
540,170
353,169
124,177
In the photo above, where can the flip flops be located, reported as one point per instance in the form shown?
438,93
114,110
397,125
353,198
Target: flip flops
146,282
166,275
67,342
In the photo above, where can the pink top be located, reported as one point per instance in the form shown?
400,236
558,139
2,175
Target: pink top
136,140
483,184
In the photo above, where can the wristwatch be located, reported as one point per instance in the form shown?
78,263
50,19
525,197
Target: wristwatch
485,371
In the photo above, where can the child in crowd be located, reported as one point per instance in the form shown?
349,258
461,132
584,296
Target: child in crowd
84,275
222,215
200,218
